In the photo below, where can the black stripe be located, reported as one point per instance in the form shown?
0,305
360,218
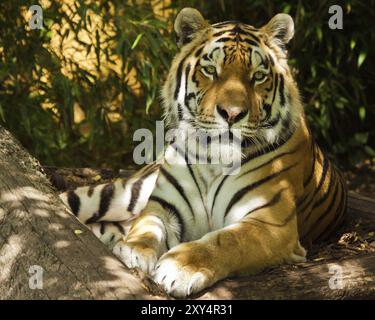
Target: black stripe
206,57
327,193
105,200
267,149
136,190
275,199
198,52
178,187
166,239
286,121
196,183
179,73
172,209
318,187
268,162
225,23
305,183
220,33
188,155
217,191
90,191
186,99
275,87
326,212
338,216
119,226
281,91
267,108
260,56
194,77
326,165
239,194
211,55
250,42
271,59
102,227
254,36
179,112
224,39
191,95
74,202
240,31
193,175
288,218
273,122
178,78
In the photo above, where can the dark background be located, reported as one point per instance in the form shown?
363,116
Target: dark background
74,92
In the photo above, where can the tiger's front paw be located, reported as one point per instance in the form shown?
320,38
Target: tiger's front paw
136,255
180,276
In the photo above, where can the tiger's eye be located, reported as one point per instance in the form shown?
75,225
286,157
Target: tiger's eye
259,76
211,70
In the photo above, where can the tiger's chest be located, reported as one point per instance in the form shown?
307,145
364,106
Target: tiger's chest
206,197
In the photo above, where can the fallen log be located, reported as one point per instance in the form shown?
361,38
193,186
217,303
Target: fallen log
38,235
36,230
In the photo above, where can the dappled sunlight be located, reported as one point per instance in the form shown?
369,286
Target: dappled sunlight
18,194
41,213
9,254
220,290
37,230
62,244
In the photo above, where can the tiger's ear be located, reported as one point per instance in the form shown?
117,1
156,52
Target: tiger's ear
187,23
280,29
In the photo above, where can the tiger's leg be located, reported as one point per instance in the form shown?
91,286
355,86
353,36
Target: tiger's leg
243,248
153,233
114,201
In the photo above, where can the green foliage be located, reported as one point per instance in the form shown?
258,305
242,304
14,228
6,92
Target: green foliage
38,98
334,69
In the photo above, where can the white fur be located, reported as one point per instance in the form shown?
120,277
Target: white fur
179,281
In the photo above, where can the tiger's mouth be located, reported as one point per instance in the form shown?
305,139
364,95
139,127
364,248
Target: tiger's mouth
224,135
242,132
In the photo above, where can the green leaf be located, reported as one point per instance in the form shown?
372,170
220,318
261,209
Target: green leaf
361,137
352,44
2,116
287,8
361,58
370,151
362,112
319,34
136,41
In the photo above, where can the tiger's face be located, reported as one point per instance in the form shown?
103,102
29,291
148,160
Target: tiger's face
231,75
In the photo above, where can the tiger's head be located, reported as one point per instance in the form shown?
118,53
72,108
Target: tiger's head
231,75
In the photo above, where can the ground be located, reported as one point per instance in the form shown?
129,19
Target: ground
357,236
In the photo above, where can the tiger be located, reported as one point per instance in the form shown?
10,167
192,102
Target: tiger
188,225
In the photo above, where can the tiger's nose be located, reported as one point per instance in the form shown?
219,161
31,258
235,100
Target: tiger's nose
231,114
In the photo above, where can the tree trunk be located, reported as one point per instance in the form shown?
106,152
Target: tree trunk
38,233
37,230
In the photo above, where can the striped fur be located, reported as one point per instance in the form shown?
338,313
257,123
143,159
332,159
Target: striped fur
188,225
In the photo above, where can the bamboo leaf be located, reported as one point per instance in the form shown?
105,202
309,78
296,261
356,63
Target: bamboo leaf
361,58
136,41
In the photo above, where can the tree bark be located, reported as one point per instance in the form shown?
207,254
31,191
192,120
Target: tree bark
37,230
